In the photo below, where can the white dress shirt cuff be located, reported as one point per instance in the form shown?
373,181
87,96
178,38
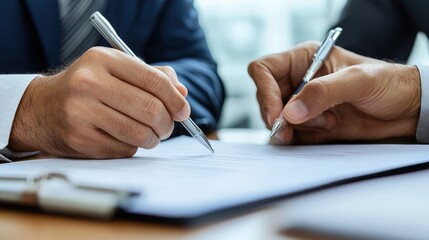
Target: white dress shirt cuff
12,88
422,134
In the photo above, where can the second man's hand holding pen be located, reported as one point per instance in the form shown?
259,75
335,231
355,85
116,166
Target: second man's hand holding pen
351,97
319,58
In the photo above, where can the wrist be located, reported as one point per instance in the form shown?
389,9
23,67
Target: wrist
24,135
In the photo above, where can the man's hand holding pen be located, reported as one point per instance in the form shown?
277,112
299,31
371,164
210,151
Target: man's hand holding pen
351,97
104,105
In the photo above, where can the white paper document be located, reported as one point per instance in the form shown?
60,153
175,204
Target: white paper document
181,179
394,207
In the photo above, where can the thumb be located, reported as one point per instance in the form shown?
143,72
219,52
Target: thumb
322,93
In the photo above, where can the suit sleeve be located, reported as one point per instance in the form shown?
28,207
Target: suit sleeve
179,42
381,29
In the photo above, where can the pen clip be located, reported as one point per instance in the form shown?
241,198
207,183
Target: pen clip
327,45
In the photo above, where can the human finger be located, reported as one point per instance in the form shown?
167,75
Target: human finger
139,74
107,147
325,92
131,101
276,76
126,129
172,75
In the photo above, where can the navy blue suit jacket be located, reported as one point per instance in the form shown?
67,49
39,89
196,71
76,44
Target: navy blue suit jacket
162,32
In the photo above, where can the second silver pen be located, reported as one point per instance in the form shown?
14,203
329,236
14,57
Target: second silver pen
107,31
319,56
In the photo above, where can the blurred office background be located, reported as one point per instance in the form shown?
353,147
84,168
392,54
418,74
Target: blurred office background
239,31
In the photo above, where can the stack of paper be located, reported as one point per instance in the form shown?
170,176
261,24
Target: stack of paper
181,180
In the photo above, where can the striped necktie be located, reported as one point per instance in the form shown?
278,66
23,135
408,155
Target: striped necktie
77,33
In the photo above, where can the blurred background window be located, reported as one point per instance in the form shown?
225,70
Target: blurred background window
239,31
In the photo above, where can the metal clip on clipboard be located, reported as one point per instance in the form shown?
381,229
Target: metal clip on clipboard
55,192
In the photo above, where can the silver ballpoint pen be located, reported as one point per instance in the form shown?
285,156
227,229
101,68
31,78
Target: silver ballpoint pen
107,31
318,59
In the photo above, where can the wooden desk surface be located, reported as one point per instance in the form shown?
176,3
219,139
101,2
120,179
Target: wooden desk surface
26,225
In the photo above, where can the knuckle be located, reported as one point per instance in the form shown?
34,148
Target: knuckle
83,80
94,53
255,66
152,79
318,90
123,128
152,142
169,70
357,70
152,108
146,138
140,134
135,133
178,103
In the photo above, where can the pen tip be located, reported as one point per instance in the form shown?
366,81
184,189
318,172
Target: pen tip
205,142
209,146
275,130
278,125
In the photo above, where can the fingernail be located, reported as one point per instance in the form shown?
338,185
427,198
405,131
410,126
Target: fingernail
184,113
320,122
297,110
169,132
